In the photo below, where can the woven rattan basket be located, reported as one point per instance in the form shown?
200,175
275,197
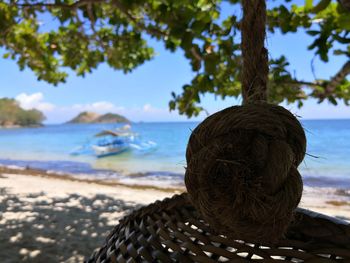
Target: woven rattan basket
172,231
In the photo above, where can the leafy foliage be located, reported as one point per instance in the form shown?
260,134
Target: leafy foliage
89,32
12,114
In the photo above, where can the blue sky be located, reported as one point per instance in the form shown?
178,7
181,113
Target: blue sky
143,95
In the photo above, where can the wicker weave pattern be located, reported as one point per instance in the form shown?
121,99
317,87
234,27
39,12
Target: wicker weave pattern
172,231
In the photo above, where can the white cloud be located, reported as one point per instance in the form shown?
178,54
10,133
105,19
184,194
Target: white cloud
148,112
34,101
147,107
99,106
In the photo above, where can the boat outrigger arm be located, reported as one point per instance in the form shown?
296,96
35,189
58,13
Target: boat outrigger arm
113,133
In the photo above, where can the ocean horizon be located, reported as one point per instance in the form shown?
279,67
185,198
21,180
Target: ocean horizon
190,121
50,148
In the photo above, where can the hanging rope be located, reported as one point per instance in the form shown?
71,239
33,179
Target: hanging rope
242,161
255,57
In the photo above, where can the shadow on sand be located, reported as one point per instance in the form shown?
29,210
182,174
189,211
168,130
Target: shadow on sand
38,228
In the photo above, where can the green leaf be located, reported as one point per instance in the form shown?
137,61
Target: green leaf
313,32
340,52
342,40
320,6
332,100
344,21
308,4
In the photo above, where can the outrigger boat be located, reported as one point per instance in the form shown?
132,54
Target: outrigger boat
113,142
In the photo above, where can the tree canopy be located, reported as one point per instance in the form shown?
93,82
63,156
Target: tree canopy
86,33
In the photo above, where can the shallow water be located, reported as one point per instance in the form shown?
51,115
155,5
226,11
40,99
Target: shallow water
50,148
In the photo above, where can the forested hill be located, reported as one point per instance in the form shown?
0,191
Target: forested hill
12,115
92,117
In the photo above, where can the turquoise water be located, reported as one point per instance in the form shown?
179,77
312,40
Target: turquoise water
50,148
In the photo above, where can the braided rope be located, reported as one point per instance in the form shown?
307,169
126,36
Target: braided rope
242,170
255,58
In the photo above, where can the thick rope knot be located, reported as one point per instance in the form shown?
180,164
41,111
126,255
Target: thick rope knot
242,170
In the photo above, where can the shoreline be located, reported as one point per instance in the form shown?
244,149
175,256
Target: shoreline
16,126
313,197
69,177
159,178
47,217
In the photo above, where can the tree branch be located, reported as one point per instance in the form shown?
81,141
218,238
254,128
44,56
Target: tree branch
152,31
60,5
305,83
338,78
196,55
328,86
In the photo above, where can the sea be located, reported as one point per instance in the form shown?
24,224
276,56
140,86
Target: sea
62,149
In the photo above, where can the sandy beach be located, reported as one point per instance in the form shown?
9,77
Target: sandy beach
52,218
47,219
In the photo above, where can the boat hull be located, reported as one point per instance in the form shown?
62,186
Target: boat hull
104,152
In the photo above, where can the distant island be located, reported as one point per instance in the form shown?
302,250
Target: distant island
13,116
92,117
